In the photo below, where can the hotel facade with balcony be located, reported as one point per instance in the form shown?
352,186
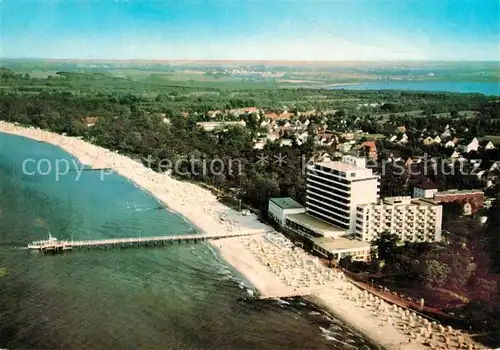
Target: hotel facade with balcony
417,220
334,189
343,212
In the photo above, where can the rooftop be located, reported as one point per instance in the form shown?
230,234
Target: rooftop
424,201
286,203
427,185
405,201
340,243
316,224
336,165
458,192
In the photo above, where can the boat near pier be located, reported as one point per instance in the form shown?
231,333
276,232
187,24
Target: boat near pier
50,244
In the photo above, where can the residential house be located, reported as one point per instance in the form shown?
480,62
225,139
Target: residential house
401,129
90,121
325,139
437,139
260,143
449,144
372,149
469,146
323,127
302,137
428,141
455,155
245,110
404,139
487,145
286,142
446,134
393,138
489,171
273,136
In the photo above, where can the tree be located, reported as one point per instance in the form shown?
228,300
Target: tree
345,262
435,274
451,211
384,247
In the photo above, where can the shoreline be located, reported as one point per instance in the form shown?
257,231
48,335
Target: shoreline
201,209
325,297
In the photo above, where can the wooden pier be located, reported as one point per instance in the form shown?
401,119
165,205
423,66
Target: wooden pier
54,245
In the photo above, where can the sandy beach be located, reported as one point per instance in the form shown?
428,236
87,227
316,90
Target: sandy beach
267,260
276,268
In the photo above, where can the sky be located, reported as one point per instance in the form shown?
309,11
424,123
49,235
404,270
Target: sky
335,30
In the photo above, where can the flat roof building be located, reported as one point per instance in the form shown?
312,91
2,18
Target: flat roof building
412,220
471,200
425,189
342,247
310,226
279,208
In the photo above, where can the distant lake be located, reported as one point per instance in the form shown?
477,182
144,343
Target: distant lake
487,88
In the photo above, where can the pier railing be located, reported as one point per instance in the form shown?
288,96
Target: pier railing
137,241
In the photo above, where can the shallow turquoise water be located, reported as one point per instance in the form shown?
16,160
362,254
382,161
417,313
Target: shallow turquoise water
173,297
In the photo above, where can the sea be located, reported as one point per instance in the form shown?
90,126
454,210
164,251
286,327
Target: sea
487,88
180,296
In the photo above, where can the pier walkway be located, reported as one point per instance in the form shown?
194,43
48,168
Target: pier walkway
55,245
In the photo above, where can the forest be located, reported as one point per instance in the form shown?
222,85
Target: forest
130,119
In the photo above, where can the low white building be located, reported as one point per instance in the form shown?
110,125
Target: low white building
328,240
279,208
417,220
309,226
209,126
342,247
425,189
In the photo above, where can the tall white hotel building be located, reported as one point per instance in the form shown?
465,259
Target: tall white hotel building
334,190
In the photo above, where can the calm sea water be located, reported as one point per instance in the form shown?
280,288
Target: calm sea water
174,297
487,88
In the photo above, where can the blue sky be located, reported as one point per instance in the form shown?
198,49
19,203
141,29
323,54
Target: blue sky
252,30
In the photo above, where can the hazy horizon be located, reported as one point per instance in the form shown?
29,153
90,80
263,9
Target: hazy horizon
222,60
333,31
